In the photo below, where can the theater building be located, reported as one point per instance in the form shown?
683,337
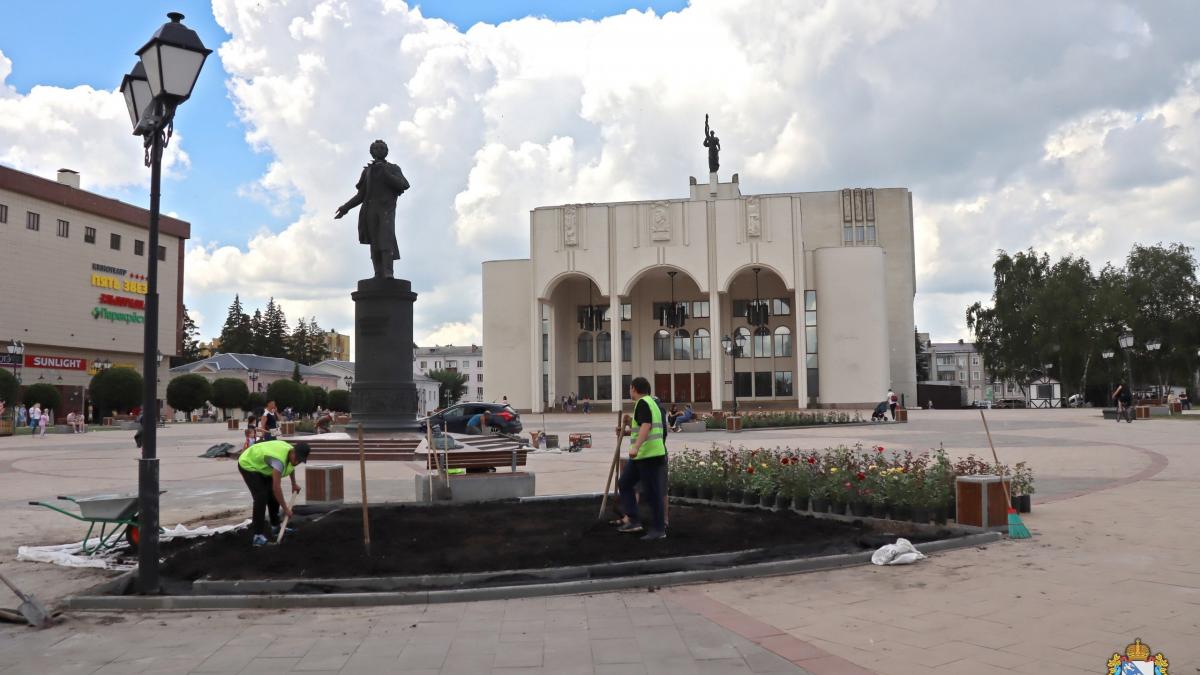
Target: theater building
817,286
73,282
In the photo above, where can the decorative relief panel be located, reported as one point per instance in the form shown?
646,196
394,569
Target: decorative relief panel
753,217
847,209
858,204
869,202
571,225
660,221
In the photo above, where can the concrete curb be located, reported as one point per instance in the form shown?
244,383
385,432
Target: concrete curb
582,586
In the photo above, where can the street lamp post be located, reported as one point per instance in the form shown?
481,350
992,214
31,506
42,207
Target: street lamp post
1126,342
733,347
252,375
164,77
349,382
1152,348
16,350
1108,354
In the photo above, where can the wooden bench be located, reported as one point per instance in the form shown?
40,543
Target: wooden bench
481,452
343,449
693,426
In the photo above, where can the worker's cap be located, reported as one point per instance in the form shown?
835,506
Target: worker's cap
302,451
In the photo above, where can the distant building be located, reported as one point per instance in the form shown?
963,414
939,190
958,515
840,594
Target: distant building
258,372
465,360
427,389
958,363
338,345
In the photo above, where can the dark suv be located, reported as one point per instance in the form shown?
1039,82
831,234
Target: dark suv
454,419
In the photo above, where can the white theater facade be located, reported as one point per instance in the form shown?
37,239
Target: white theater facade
834,271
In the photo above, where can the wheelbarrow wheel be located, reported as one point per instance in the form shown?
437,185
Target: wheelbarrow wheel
132,537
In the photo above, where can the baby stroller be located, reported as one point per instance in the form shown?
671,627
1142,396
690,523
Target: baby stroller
880,414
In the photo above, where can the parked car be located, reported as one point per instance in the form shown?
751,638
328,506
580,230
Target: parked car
1010,403
981,404
454,419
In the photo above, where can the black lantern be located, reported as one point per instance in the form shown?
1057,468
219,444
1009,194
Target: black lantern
673,315
757,312
591,316
172,60
136,89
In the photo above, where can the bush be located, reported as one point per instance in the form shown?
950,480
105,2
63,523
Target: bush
286,393
229,392
256,401
116,390
339,400
42,393
320,397
188,392
8,388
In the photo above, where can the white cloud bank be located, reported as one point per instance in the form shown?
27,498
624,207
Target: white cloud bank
1071,126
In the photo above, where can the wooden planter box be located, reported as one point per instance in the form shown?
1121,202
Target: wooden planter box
287,428
325,483
232,424
733,423
6,427
980,502
1176,408
1141,412
901,415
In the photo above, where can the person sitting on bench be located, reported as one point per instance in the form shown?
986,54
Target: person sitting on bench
478,423
686,416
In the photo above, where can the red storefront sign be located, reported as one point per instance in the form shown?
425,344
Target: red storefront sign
122,301
54,362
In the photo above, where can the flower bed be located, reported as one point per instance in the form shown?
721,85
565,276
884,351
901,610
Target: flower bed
843,480
763,419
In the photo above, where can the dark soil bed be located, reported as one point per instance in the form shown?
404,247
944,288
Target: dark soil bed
450,539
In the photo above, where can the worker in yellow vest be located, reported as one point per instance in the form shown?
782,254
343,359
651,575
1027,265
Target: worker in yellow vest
263,466
647,455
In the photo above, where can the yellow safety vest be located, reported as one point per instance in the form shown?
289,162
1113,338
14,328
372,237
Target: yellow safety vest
254,458
654,446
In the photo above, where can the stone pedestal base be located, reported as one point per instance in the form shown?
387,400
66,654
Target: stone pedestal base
480,487
383,396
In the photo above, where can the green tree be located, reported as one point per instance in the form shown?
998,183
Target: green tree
318,349
229,392
190,349
1068,326
45,394
116,390
1006,334
256,400
236,336
922,359
296,373
286,393
188,392
9,386
275,340
320,396
1162,289
339,400
258,334
452,385
298,343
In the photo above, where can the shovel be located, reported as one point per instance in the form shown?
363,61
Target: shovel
30,608
283,527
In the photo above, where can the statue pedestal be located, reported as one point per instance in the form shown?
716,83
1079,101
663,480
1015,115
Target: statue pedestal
383,398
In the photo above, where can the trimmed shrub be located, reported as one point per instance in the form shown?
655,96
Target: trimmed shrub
339,400
42,393
229,392
188,392
116,390
287,393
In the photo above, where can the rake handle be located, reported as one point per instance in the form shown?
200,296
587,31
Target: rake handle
1003,485
283,527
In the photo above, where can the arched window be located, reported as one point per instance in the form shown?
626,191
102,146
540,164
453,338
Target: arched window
604,347
662,345
744,334
762,342
701,344
626,346
783,341
584,347
683,345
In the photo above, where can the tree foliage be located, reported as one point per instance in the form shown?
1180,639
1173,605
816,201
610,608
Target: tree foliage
452,385
320,397
188,392
229,392
287,394
339,400
116,390
236,335
9,386
45,394
190,349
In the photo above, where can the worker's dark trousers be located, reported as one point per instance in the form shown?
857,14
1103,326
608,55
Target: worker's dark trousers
648,472
263,493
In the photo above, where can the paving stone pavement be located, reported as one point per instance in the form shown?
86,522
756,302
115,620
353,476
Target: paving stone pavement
1112,558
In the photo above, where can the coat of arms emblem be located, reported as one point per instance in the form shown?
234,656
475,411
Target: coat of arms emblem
1137,661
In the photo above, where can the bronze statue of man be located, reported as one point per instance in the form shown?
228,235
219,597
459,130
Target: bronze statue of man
381,183
714,147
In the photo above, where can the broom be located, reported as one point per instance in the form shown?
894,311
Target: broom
1016,529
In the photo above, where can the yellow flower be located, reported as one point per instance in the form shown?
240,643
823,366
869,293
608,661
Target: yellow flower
833,469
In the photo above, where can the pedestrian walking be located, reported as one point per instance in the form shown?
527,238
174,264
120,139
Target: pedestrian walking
647,455
268,423
22,415
35,416
1124,400
893,403
43,422
1184,401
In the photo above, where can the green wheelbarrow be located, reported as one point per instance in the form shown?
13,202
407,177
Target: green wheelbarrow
117,516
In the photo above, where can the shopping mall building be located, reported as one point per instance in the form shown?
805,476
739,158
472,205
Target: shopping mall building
817,287
73,273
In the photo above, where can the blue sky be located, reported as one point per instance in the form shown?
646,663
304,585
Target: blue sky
99,50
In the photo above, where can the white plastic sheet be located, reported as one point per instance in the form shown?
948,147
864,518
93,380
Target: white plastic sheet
900,553
68,555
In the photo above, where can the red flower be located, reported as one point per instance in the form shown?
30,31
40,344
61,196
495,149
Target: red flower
749,469
879,448
860,475
812,460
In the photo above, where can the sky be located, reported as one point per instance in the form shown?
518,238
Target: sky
1072,127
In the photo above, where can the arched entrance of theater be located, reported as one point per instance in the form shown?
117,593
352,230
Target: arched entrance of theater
674,355
576,349
771,369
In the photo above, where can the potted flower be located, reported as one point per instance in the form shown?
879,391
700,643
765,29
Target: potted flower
858,495
1021,484
795,482
898,493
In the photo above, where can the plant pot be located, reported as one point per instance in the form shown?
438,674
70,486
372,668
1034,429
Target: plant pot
820,505
800,503
734,496
879,511
859,509
920,514
1023,503
901,512
952,510
690,492
750,498
767,499
719,494
782,502
939,515
838,508
705,492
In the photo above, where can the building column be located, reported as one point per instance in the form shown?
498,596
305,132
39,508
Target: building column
536,405
800,345
615,354
716,352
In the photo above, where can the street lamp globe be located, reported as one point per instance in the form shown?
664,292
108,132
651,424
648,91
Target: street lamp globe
1154,345
172,60
1126,340
136,89
726,343
741,340
1107,353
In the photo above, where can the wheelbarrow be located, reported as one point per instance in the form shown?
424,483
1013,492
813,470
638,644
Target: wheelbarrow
116,515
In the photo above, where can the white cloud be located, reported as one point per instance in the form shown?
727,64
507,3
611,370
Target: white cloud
81,128
1071,126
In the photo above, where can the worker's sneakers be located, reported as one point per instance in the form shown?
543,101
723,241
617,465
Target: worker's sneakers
630,528
275,531
654,536
259,540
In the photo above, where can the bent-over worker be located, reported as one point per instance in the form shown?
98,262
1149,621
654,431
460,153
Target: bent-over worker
479,423
263,466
